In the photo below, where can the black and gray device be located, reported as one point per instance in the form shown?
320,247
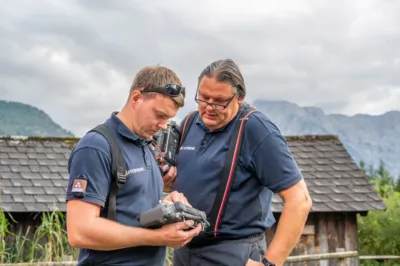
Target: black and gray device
163,214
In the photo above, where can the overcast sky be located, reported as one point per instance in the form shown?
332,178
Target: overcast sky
76,59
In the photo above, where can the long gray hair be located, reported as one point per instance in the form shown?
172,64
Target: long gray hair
226,70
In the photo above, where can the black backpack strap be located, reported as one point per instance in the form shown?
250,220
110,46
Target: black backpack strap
228,173
118,168
186,126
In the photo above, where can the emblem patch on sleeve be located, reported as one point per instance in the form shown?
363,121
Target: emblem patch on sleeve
79,185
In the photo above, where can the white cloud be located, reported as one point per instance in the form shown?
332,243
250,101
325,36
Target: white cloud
76,59
374,102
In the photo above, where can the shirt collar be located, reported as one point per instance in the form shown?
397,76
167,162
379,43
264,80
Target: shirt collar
123,130
200,122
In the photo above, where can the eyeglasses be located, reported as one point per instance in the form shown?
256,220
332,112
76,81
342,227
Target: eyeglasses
215,106
172,90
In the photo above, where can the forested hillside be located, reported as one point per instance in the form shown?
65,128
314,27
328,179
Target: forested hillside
18,119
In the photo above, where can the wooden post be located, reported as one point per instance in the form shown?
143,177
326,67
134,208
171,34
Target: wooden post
342,261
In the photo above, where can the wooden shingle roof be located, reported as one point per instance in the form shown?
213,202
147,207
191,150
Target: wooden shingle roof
335,182
34,175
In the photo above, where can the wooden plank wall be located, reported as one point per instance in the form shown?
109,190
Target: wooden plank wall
325,233
25,225
20,222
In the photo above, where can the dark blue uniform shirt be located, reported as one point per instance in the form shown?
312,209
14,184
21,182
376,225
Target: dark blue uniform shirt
91,160
264,162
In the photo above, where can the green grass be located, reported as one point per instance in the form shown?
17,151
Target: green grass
47,242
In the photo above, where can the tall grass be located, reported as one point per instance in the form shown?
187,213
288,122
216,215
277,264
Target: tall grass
169,257
4,231
46,242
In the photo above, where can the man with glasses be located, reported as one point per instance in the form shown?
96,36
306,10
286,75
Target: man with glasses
154,97
264,164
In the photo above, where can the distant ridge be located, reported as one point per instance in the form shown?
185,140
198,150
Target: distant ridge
19,119
367,137
370,138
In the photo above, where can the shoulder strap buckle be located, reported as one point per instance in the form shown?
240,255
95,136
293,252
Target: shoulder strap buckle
121,176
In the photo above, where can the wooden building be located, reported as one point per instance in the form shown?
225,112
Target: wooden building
34,177
339,190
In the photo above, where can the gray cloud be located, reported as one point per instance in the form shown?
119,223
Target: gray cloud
76,59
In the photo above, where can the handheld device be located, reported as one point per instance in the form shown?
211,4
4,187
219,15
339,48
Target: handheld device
163,214
168,142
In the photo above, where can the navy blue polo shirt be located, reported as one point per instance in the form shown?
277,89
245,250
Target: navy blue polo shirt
264,162
90,161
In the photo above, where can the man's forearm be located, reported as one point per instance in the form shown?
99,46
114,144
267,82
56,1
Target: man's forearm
102,234
290,226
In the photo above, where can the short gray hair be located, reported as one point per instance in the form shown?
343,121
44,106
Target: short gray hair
225,70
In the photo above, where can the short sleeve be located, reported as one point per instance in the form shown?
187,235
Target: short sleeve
274,164
89,176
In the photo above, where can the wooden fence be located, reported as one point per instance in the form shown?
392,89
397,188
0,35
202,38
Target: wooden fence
382,259
342,258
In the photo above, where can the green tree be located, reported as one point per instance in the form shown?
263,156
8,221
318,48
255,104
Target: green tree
384,182
378,230
397,185
362,167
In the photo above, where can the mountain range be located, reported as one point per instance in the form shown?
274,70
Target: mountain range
371,138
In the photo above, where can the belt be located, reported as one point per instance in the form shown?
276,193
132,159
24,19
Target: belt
203,240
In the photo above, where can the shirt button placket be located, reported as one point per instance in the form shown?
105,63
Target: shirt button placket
146,159
205,140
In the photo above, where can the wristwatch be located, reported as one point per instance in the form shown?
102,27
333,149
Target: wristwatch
267,262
